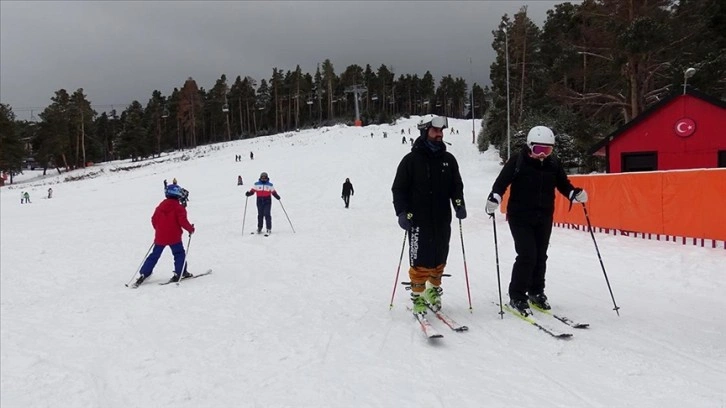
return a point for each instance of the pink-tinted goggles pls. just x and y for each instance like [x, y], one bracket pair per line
[542, 149]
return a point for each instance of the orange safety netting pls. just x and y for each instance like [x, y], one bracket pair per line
[684, 203]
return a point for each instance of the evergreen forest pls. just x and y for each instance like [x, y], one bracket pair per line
[590, 68]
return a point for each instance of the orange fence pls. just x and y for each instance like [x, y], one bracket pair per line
[683, 203]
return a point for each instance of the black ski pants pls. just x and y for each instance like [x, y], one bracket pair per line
[531, 237]
[346, 200]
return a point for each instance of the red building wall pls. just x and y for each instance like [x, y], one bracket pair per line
[658, 133]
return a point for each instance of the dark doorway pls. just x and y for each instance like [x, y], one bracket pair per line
[641, 161]
[722, 158]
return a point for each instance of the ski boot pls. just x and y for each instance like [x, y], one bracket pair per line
[520, 306]
[539, 301]
[432, 296]
[139, 281]
[185, 275]
[419, 304]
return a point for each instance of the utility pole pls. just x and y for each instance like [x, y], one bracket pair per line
[356, 90]
[471, 74]
[506, 57]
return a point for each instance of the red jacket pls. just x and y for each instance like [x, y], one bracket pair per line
[168, 220]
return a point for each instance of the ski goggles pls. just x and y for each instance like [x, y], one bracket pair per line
[540, 149]
[440, 122]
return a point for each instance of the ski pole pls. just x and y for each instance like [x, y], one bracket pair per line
[186, 258]
[589, 227]
[244, 216]
[466, 271]
[496, 256]
[288, 218]
[142, 263]
[395, 282]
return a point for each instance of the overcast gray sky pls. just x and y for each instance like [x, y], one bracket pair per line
[121, 51]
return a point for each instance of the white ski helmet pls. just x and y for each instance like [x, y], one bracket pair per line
[433, 121]
[540, 135]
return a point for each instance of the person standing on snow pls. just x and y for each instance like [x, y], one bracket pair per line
[239, 181]
[347, 192]
[533, 175]
[264, 189]
[50, 192]
[427, 183]
[27, 197]
[168, 220]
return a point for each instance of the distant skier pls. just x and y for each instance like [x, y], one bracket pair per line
[50, 193]
[252, 156]
[264, 189]
[239, 181]
[168, 220]
[403, 139]
[22, 197]
[347, 192]
[27, 197]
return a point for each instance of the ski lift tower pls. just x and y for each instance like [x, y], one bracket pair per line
[357, 90]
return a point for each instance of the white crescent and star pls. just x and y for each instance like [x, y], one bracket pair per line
[685, 127]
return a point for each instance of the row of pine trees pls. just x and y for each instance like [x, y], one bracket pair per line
[592, 67]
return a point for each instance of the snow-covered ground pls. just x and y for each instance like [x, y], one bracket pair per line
[302, 319]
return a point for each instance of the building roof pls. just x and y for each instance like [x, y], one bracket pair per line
[650, 111]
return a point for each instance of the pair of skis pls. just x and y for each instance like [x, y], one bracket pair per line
[207, 272]
[549, 314]
[430, 331]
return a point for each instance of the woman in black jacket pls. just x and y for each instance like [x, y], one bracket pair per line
[533, 175]
[427, 183]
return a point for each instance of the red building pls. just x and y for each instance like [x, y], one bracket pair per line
[683, 131]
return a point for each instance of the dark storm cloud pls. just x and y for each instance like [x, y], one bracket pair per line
[121, 51]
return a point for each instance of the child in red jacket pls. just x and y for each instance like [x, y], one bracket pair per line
[168, 220]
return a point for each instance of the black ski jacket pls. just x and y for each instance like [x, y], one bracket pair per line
[427, 183]
[347, 188]
[533, 183]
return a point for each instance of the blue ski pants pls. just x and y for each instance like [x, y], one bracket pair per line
[179, 256]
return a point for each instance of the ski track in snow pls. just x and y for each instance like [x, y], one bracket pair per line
[302, 319]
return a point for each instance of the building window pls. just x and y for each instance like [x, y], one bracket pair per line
[722, 158]
[641, 161]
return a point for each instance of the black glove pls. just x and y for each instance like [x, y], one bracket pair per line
[460, 208]
[276, 196]
[249, 193]
[404, 220]
[461, 212]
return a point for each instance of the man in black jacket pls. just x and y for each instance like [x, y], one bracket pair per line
[347, 192]
[533, 175]
[426, 182]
